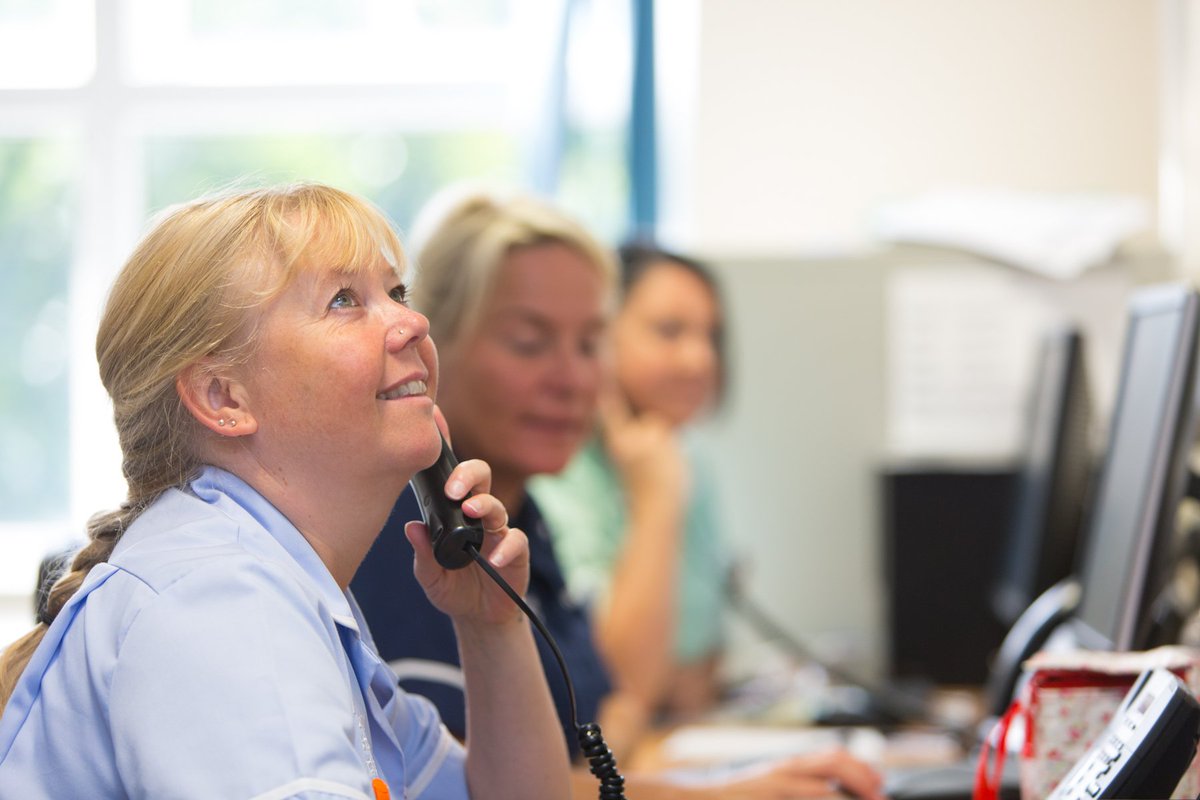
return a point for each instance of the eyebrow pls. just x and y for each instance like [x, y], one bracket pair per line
[522, 314]
[342, 274]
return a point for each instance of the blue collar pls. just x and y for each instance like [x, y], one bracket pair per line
[239, 501]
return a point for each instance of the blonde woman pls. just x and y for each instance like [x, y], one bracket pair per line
[518, 295]
[273, 394]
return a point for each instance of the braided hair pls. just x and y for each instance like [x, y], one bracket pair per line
[185, 297]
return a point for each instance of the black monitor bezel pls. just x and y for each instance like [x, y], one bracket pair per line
[1166, 484]
[1053, 483]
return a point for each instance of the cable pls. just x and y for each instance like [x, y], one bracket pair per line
[898, 704]
[591, 742]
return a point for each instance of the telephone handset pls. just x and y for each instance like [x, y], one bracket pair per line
[456, 540]
[1146, 748]
[450, 531]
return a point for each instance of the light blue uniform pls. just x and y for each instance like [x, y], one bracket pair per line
[214, 656]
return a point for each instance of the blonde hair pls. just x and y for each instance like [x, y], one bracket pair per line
[462, 241]
[187, 295]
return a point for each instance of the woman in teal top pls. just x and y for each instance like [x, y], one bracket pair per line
[634, 515]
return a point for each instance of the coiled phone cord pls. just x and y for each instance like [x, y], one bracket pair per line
[591, 742]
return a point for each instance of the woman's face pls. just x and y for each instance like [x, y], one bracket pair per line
[664, 343]
[344, 376]
[519, 391]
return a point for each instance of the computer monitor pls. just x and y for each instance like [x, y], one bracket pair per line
[1051, 488]
[1131, 526]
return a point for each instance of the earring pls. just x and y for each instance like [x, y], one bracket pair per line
[221, 422]
[233, 423]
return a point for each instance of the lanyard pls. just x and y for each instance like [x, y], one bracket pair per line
[364, 742]
[379, 786]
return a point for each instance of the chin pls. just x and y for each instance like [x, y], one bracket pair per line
[430, 451]
[549, 465]
[540, 460]
[548, 452]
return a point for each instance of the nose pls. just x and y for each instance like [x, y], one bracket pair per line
[405, 327]
[572, 372]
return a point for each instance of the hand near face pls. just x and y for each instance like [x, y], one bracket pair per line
[646, 451]
[469, 594]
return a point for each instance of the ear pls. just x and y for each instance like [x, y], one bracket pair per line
[217, 402]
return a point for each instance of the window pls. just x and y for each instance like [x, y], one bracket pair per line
[36, 207]
[112, 109]
[46, 43]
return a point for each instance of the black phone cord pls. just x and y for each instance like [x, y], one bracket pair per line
[900, 705]
[591, 742]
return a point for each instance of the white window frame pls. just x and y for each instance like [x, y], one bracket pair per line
[111, 119]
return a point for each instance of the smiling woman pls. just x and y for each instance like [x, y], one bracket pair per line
[273, 393]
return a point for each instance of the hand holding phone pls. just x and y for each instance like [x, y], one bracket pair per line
[453, 535]
[450, 531]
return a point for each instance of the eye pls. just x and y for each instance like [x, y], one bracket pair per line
[668, 328]
[343, 299]
[526, 346]
[399, 293]
[589, 346]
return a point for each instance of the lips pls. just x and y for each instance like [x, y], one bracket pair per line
[406, 389]
[555, 426]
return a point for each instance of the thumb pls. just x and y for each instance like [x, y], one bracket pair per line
[417, 534]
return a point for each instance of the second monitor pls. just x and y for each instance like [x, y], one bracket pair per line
[1131, 530]
[1129, 523]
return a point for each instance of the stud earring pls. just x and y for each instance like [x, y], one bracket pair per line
[233, 423]
[221, 422]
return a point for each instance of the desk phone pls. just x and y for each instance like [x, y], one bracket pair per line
[1146, 748]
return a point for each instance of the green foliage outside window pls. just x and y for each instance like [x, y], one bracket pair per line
[399, 172]
[36, 227]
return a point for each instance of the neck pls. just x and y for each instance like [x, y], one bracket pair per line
[340, 519]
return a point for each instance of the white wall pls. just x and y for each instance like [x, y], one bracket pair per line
[1179, 172]
[798, 441]
[801, 445]
[807, 115]
[810, 112]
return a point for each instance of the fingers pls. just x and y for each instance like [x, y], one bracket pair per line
[511, 548]
[849, 773]
[613, 407]
[638, 429]
[500, 545]
[469, 477]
